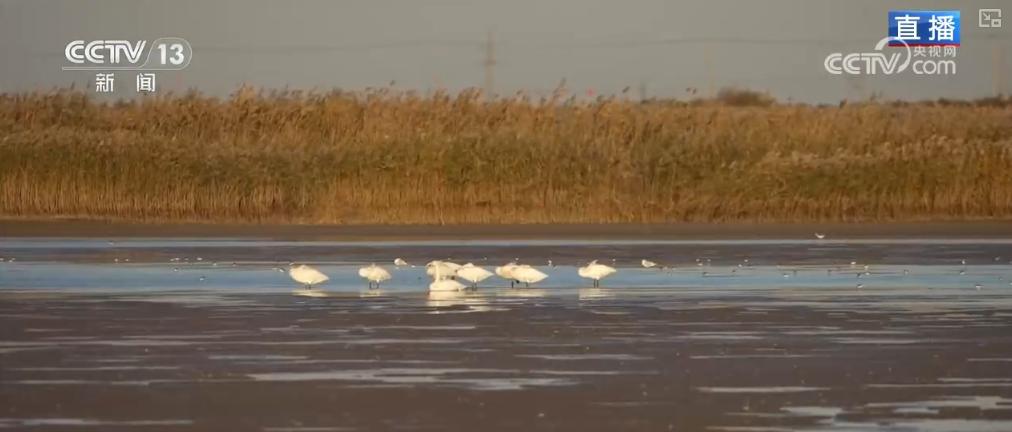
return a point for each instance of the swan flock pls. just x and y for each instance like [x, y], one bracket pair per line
[446, 275]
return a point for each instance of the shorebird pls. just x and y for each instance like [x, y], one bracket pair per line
[374, 274]
[307, 275]
[473, 274]
[528, 275]
[595, 271]
[400, 262]
[647, 263]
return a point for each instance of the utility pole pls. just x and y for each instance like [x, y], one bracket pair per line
[489, 66]
[997, 68]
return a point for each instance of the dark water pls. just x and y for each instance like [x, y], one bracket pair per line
[786, 341]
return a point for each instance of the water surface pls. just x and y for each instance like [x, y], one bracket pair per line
[205, 334]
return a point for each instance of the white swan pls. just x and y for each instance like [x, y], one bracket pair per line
[647, 263]
[374, 274]
[528, 275]
[595, 271]
[441, 284]
[506, 272]
[307, 275]
[444, 269]
[473, 273]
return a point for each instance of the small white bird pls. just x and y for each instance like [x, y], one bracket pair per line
[473, 273]
[595, 271]
[528, 275]
[307, 275]
[374, 274]
[444, 269]
[441, 282]
[820, 236]
[647, 263]
[400, 262]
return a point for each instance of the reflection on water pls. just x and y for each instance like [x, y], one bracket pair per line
[458, 301]
[594, 293]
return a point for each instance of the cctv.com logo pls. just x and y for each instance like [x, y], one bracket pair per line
[878, 62]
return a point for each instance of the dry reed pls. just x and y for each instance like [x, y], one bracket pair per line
[391, 157]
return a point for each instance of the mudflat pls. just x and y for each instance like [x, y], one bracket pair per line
[574, 360]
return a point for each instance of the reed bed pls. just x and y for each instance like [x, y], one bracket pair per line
[390, 157]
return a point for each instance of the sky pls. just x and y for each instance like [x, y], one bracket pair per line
[655, 48]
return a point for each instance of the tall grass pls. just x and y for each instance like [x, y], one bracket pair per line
[388, 157]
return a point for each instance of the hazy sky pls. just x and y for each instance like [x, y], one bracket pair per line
[661, 46]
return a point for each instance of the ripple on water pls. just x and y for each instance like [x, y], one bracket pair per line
[576, 357]
[457, 377]
[761, 390]
[983, 403]
[307, 429]
[255, 357]
[68, 421]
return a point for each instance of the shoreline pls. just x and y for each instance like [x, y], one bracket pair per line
[90, 228]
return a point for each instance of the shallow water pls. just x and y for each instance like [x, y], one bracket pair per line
[196, 334]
